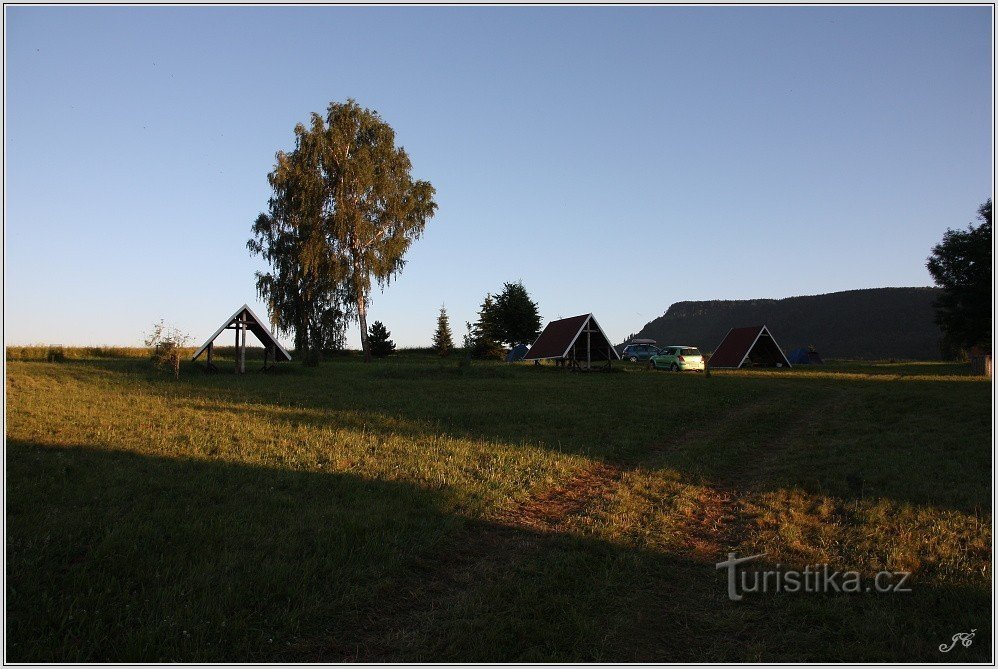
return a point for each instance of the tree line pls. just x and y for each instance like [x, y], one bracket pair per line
[345, 209]
[505, 319]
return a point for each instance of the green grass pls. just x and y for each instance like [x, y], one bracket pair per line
[389, 511]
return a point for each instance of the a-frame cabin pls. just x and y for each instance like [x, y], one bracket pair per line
[577, 342]
[747, 347]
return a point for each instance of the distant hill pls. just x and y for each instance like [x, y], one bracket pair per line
[877, 323]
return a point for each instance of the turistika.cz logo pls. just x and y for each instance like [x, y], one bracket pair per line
[812, 579]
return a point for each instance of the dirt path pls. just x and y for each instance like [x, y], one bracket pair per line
[713, 525]
[719, 520]
[548, 510]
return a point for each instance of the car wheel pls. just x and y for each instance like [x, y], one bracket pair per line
[674, 368]
[633, 358]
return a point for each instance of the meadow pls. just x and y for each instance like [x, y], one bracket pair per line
[418, 509]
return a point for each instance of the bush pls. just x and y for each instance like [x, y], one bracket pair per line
[379, 340]
[479, 345]
[167, 345]
[55, 354]
[486, 349]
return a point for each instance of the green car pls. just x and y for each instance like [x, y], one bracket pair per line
[678, 359]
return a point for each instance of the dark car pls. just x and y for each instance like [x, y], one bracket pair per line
[638, 352]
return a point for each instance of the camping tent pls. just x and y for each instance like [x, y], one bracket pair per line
[803, 356]
[748, 346]
[578, 341]
[517, 353]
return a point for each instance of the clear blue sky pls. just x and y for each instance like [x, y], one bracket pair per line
[614, 159]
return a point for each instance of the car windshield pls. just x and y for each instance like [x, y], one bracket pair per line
[690, 351]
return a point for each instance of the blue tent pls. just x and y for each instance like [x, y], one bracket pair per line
[802, 356]
[517, 353]
[798, 356]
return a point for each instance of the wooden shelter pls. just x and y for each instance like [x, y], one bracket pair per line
[753, 345]
[578, 342]
[242, 321]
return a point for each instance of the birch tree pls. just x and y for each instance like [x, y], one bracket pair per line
[350, 188]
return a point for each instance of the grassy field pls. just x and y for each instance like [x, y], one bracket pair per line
[413, 509]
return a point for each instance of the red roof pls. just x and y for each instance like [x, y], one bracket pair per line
[556, 338]
[559, 336]
[739, 342]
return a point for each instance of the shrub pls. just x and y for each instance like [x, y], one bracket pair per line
[167, 345]
[486, 349]
[479, 345]
[379, 340]
[56, 354]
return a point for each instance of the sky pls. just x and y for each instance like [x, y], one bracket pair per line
[613, 159]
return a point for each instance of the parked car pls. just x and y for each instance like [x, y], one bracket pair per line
[636, 352]
[678, 359]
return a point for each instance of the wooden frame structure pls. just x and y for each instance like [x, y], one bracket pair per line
[242, 321]
[563, 341]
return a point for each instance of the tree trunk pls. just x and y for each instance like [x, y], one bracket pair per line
[362, 315]
[314, 344]
[316, 352]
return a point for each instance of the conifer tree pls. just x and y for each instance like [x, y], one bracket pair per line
[379, 340]
[443, 341]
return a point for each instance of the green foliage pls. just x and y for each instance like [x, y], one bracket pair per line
[510, 318]
[380, 341]
[961, 265]
[514, 317]
[55, 354]
[345, 210]
[486, 349]
[480, 340]
[305, 289]
[166, 344]
[334, 328]
[443, 342]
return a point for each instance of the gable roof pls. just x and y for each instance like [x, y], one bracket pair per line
[559, 336]
[254, 325]
[740, 342]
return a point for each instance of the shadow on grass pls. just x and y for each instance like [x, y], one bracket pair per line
[118, 557]
[763, 445]
[923, 443]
